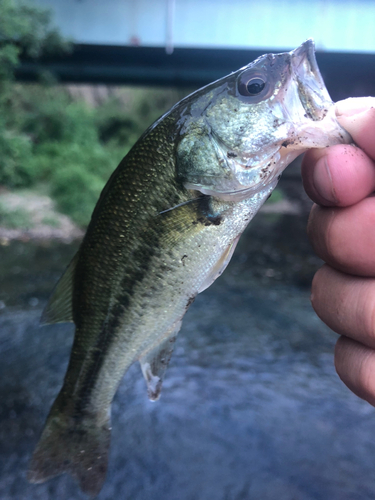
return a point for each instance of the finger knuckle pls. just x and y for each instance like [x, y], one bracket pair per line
[369, 314]
[366, 376]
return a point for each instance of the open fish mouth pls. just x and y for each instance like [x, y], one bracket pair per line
[312, 91]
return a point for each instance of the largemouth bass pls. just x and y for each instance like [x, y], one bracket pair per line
[164, 228]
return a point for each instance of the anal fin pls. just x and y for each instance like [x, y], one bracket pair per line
[154, 362]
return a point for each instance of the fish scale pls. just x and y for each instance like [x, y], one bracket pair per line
[164, 228]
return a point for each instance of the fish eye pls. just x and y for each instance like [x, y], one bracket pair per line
[250, 86]
[255, 86]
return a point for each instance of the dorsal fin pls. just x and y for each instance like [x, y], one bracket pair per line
[155, 362]
[59, 308]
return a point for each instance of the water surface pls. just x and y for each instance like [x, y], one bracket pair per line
[251, 406]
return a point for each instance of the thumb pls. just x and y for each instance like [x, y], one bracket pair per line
[357, 116]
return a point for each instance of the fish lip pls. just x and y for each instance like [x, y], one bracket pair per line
[307, 51]
[312, 91]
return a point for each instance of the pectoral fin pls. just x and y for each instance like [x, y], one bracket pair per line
[59, 308]
[220, 265]
[155, 362]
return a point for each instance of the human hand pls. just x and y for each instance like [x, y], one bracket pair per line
[341, 181]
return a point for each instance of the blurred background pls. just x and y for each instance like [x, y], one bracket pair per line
[251, 405]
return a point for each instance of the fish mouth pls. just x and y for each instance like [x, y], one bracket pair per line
[312, 91]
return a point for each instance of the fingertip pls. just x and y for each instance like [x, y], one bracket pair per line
[319, 291]
[355, 365]
[357, 116]
[353, 106]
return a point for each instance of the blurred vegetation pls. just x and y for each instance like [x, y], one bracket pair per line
[276, 196]
[50, 139]
[23, 29]
[14, 218]
[68, 149]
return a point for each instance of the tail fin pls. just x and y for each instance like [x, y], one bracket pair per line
[77, 446]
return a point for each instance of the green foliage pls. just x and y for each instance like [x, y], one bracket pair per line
[72, 148]
[15, 150]
[277, 195]
[78, 176]
[84, 161]
[51, 221]
[124, 117]
[64, 144]
[16, 218]
[49, 138]
[23, 28]
[26, 28]
[47, 114]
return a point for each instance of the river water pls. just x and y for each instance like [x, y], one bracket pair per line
[251, 406]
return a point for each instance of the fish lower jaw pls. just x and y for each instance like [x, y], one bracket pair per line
[238, 194]
[248, 182]
[322, 134]
[248, 174]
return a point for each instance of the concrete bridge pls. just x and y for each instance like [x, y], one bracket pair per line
[192, 42]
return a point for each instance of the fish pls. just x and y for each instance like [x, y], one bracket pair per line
[164, 229]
